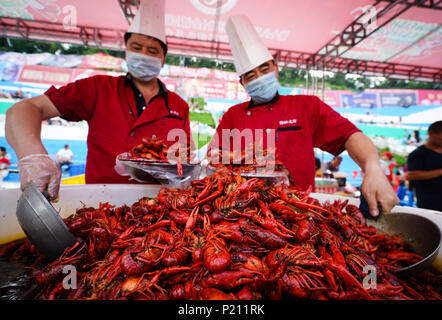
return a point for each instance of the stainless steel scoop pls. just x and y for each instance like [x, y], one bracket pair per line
[42, 224]
[423, 234]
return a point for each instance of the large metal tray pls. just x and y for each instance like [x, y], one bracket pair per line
[422, 233]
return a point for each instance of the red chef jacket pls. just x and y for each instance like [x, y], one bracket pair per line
[301, 123]
[108, 105]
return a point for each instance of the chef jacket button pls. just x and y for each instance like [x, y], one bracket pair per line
[249, 113]
[144, 107]
[154, 136]
[271, 109]
[131, 133]
[130, 111]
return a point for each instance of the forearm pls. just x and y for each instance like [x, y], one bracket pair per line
[424, 175]
[23, 129]
[363, 152]
[375, 186]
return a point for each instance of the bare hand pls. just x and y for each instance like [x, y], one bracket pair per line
[376, 188]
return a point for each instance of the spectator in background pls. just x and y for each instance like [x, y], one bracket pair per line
[334, 164]
[408, 102]
[417, 137]
[318, 166]
[65, 157]
[5, 162]
[18, 94]
[317, 163]
[404, 140]
[399, 176]
[424, 167]
[387, 156]
[5, 95]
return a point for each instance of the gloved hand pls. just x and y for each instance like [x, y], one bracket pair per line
[119, 167]
[43, 171]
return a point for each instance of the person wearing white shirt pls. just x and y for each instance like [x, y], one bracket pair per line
[65, 157]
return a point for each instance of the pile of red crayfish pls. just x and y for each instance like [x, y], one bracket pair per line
[228, 238]
[156, 151]
[253, 158]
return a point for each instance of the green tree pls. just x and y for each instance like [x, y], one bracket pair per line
[30, 46]
[26, 46]
[287, 77]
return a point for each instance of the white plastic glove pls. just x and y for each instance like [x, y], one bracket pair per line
[119, 167]
[43, 171]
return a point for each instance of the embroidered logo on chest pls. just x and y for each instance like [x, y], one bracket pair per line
[285, 122]
[175, 113]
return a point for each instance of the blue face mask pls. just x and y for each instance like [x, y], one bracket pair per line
[264, 88]
[143, 67]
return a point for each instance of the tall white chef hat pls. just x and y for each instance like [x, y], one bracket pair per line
[149, 19]
[248, 50]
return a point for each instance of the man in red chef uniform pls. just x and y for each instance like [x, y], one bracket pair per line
[120, 111]
[298, 123]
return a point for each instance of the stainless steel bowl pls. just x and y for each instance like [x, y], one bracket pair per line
[163, 173]
[423, 234]
[42, 224]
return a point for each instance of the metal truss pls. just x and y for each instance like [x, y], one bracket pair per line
[127, 7]
[55, 32]
[327, 61]
[306, 61]
[331, 56]
[358, 31]
[429, 4]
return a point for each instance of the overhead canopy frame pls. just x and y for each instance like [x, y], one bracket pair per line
[341, 53]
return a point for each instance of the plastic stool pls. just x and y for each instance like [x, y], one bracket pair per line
[401, 191]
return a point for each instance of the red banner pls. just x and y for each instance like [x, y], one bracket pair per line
[202, 73]
[187, 82]
[184, 72]
[78, 74]
[58, 76]
[172, 84]
[208, 89]
[45, 74]
[225, 75]
[101, 61]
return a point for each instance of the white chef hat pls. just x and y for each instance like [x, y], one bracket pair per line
[149, 19]
[248, 50]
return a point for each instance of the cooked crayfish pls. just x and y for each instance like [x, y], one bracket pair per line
[226, 237]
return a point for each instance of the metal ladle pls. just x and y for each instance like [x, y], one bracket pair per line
[42, 224]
